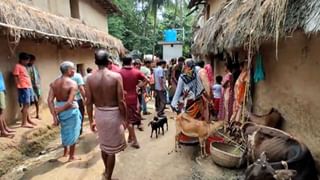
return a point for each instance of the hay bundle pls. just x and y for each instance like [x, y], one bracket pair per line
[250, 22]
[17, 19]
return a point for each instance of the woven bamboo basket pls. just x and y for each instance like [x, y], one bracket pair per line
[225, 155]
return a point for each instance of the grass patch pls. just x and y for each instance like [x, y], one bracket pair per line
[30, 146]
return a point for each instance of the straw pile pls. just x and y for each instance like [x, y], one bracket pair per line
[22, 21]
[250, 22]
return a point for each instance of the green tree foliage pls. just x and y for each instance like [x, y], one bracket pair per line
[140, 29]
[175, 15]
[131, 27]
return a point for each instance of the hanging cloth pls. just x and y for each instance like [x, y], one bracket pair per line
[259, 74]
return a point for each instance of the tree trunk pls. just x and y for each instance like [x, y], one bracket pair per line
[154, 32]
[176, 10]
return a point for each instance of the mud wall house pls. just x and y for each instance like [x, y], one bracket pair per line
[285, 33]
[52, 30]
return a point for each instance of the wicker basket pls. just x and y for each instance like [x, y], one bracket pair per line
[222, 155]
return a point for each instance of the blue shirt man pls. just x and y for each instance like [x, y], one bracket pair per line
[80, 82]
[159, 79]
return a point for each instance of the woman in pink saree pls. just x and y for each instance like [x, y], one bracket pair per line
[226, 107]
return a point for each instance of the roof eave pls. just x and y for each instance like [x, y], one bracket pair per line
[194, 3]
[109, 6]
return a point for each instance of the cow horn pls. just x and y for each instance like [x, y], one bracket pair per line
[285, 164]
[263, 156]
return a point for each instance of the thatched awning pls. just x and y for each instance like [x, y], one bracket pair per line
[20, 20]
[248, 23]
[193, 3]
[109, 6]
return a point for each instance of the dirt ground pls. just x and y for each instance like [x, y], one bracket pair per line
[151, 162]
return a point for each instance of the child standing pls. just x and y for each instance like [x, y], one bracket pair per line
[217, 94]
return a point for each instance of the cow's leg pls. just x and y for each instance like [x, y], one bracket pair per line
[151, 133]
[167, 126]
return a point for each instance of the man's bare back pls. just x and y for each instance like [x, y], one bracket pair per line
[62, 88]
[103, 86]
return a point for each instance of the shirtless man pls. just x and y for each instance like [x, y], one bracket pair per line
[104, 89]
[65, 110]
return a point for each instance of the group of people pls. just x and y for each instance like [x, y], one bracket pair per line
[121, 107]
[27, 80]
[231, 91]
[196, 93]
[28, 84]
[114, 99]
[193, 92]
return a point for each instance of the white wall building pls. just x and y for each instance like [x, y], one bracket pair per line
[171, 50]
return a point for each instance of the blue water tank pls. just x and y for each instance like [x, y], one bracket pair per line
[170, 35]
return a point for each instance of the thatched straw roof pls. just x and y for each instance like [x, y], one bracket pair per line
[193, 3]
[22, 21]
[248, 23]
[109, 6]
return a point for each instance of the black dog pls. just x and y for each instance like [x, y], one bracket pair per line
[155, 126]
[162, 121]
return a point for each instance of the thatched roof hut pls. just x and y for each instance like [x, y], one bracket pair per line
[109, 6]
[22, 21]
[248, 23]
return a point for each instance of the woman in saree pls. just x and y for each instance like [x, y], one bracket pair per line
[226, 107]
[239, 92]
[193, 89]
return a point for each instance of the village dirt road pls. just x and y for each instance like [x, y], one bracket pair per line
[151, 162]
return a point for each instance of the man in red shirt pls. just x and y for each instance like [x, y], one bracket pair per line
[24, 86]
[131, 78]
[112, 67]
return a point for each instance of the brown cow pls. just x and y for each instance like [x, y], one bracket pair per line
[279, 146]
[272, 119]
